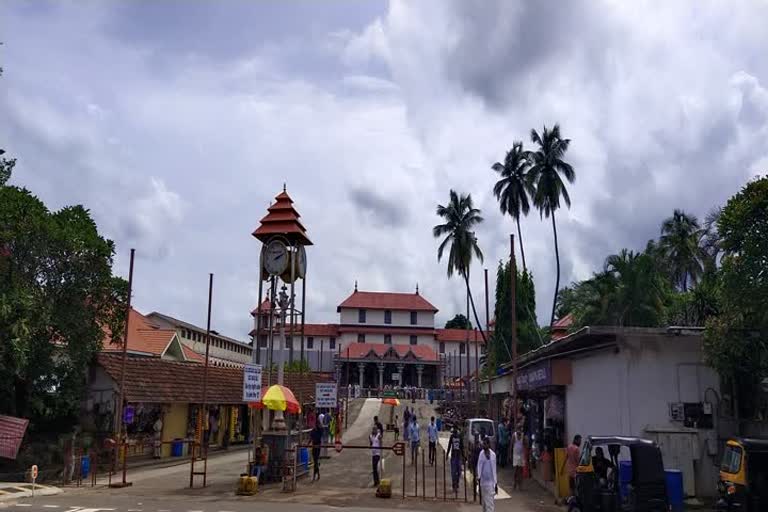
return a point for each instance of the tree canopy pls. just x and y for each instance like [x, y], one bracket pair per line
[458, 322]
[58, 295]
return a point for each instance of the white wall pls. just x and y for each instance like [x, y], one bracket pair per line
[350, 316]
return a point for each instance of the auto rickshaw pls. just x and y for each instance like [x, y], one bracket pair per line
[743, 481]
[645, 492]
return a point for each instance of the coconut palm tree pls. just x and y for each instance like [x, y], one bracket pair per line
[460, 218]
[514, 188]
[638, 299]
[680, 236]
[547, 170]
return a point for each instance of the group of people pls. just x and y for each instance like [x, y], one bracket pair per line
[324, 425]
[511, 440]
[483, 461]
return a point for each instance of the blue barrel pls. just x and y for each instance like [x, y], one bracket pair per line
[674, 479]
[304, 458]
[439, 424]
[177, 448]
[85, 466]
[625, 477]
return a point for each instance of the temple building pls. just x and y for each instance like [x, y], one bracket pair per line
[381, 339]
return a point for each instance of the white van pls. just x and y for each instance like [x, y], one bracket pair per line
[478, 427]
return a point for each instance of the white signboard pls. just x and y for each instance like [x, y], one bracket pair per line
[325, 395]
[396, 376]
[252, 383]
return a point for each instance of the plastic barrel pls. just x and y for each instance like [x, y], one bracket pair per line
[625, 477]
[304, 458]
[177, 448]
[85, 466]
[674, 479]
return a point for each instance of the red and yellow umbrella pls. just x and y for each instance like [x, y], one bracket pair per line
[278, 398]
[391, 401]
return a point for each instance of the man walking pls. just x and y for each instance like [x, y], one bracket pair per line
[486, 474]
[316, 436]
[517, 460]
[378, 425]
[414, 436]
[571, 462]
[503, 442]
[455, 452]
[375, 442]
[432, 438]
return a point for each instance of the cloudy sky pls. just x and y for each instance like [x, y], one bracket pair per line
[176, 123]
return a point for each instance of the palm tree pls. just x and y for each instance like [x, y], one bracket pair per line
[680, 235]
[638, 298]
[514, 188]
[460, 218]
[547, 171]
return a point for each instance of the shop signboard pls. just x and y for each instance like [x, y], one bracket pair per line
[536, 376]
[252, 383]
[325, 395]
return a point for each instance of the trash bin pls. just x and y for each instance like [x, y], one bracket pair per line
[674, 479]
[304, 458]
[177, 448]
[625, 477]
[85, 466]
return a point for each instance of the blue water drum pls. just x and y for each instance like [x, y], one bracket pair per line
[177, 448]
[304, 458]
[625, 477]
[85, 466]
[674, 479]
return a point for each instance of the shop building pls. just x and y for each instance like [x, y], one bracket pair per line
[650, 383]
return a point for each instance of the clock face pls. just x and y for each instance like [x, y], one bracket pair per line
[302, 261]
[275, 257]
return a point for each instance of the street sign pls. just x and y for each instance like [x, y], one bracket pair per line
[128, 414]
[396, 376]
[252, 383]
[34, 472]
[398, 449]
[325, 395]
[338, 446]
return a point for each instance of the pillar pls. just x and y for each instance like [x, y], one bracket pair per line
[419, 373]
[380, 367]
[400, 369]
[361, 372]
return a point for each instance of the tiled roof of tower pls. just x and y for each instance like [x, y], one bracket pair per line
[459, 335]
[387, 300]
[265, 307]
[282, 219]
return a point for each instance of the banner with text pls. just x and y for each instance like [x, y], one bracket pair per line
[252, 383]
[325, 395]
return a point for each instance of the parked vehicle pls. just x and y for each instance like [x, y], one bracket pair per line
[478, 427]
[743, 481]
[645, 492]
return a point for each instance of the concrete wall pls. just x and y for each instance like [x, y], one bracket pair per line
[629, 393]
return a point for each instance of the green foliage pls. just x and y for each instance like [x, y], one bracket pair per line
[57, 296]
[6, 168]
[458, 322]
[525, 307]
[679, 246]
[297, 366]
[737, 340]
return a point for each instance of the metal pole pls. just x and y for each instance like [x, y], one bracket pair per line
[304, 305]
[271, 349]
[466, 345]
[513, 313]
[405, 449]
[321, 357]
[445, 460]
[434, 461]
[205, 375]
[292, 305]
[477, 377]
[423, 478]
[488, 347]
[119, 409]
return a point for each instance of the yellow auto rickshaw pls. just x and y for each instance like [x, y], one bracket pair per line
[743, 481]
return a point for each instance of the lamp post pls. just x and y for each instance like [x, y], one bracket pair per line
[284, 303]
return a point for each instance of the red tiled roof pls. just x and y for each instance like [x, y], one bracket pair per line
[143, 336]
[282, 219]
[363, 350]
[191, 355]
[561, 327]
[265, 307]
[387, 300]
[371, 329]
[458, 335]
[153, 380]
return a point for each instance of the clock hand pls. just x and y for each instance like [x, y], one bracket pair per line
[278, 257]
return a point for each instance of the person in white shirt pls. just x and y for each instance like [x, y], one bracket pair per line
[486, 474]
[375, 442]
[432, 435]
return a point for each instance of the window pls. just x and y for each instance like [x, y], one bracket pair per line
[332, 344]
[442, 347]
[361, 316]
[388, 339]
[263, 341]
[731, 459]
[310, 343]
[462, 348]
[414, 340]
[387, 317]
[361, 338]
[414, 318]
